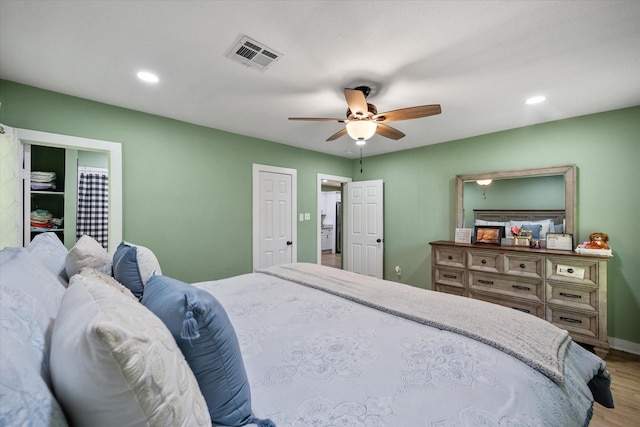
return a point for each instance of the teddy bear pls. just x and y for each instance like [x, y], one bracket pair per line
[598, 241]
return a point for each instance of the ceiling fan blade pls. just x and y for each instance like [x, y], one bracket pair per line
[388, 131]
[319, 119]
[338, 134]
[356, 101]
[408, 113]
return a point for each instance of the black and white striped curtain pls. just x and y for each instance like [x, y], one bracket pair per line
[93, 207]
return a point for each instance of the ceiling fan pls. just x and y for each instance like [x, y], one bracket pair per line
[363, 120]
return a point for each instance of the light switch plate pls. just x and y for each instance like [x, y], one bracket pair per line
[307, 216]
[301, 217]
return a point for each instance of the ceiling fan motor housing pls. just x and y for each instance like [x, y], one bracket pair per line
[372, 109]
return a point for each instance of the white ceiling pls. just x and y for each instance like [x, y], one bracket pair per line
[478, 59]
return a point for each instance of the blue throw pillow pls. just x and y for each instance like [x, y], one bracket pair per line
[534, 228]
[125, 269]
[200, 326]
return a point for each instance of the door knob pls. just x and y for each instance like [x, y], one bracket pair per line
[379, 240]
[289, 243]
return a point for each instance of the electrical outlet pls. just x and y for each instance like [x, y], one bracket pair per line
[398, 270]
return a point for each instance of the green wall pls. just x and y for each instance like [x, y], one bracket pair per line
[187, 189]
[420, 195]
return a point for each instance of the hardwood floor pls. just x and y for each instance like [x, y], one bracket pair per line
[332, 260]
[625, 385]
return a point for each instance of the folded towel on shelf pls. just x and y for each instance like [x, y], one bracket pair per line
[39, 186]
[39, 176]
[41, 216]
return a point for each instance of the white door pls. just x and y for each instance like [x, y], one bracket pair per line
[364, 237]
[274, 226]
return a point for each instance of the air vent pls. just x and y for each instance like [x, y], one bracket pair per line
[253, 54]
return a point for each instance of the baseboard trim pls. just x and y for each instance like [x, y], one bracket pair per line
[623, 345]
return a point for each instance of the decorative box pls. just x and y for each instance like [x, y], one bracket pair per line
[523, 238]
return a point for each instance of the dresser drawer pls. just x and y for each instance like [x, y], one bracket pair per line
[572, 296]
[450, 277]
[532, 289]
[572, 270]
[573, 321]
[485, 261]
[524, 306]
[454, 290]
[450, 257]
[529, 266]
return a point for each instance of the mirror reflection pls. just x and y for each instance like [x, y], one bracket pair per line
[543, 192]
[549, 188]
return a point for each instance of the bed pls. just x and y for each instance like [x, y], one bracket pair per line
[317, 346]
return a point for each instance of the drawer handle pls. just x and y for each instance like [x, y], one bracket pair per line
[524, 310]
[484, 261]
[570, 320]
[486, 282]
[522, 288]
[449, 257]
[569, 270]
[523, 266]
[564, 294]
[450, 276]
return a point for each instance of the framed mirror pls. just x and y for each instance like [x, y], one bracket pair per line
[568, 174]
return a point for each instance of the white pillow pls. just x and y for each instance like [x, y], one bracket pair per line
[115, 363]
[50, 251]
[87, 252]
[22, 272]
[92, 273]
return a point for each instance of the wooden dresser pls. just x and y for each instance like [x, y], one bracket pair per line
[562, 287]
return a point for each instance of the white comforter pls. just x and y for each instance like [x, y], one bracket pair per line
[315, 359]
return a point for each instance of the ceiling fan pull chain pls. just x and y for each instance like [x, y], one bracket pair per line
[360, 159]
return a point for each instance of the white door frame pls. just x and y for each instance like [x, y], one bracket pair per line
[321, 176]
[257, 168]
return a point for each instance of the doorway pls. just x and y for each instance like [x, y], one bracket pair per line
[330, 220]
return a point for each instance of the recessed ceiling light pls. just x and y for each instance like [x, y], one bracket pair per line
[535, 99]
[148, 77]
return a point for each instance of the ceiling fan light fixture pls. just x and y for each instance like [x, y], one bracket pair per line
[361, 130]
[484, 182]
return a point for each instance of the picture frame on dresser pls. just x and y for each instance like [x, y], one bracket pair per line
[488, 234]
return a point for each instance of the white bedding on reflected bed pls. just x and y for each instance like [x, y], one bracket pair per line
[316, 359]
